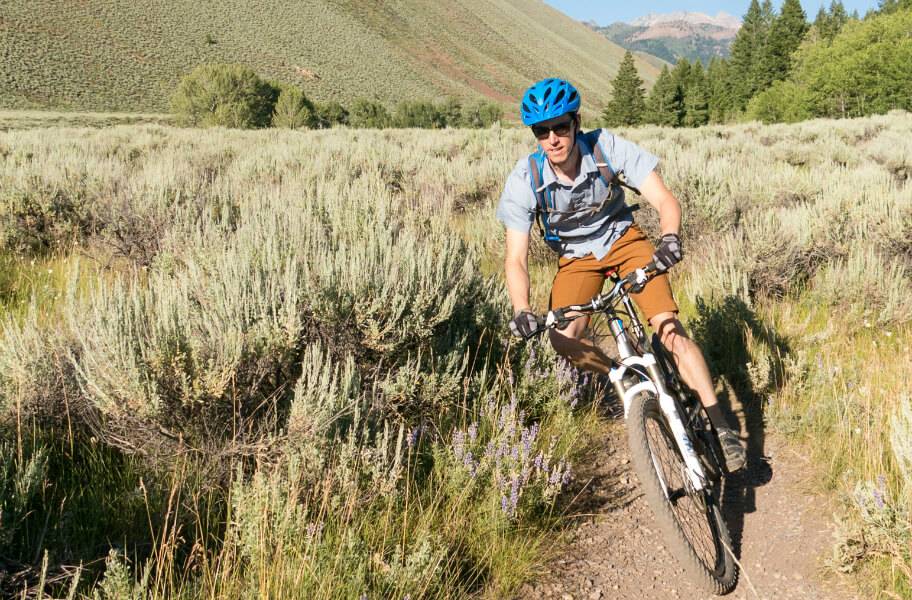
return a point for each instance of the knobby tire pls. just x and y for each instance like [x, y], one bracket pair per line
[691, 521]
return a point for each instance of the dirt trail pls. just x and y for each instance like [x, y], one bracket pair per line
[780, 534]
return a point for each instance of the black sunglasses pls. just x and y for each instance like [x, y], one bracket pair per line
[561, 129]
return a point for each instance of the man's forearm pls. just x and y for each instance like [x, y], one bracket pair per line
[518, 285]
[670, 216]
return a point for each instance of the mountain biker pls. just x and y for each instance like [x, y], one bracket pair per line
[593, 231]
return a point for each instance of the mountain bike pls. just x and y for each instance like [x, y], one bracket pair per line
[674, 449]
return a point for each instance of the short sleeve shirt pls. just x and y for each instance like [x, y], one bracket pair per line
[582, 231]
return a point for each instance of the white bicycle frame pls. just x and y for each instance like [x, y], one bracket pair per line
[647, 370]
[645, 364]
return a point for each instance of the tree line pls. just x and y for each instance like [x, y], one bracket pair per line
[235, 96]
[782, 68]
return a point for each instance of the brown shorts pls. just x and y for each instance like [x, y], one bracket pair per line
[579, 279]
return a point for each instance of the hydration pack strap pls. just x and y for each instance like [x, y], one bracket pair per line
[542, 194]
[608, 175]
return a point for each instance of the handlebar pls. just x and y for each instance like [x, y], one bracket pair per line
[634, 281]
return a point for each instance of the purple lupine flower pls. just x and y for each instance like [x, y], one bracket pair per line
[879, 499]
[468, 460]
[504, 505]
[473, 432]
[412, 437]
[514, 494]
[490, 448]
[538, 461]
[574, 396]
[555, 477]
[566, 478]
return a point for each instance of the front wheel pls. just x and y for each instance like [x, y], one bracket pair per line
[691, 520]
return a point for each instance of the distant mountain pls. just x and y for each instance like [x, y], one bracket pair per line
[129, 56]
[670, 36]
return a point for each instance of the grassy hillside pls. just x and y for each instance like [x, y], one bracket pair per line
[119, 55]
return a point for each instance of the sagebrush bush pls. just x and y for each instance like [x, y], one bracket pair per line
[217, 95]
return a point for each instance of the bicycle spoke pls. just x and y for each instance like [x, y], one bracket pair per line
[689, 506]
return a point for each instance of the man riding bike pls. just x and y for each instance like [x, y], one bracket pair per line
[584, 218]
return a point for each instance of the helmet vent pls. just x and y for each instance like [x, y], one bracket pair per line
[547, 99]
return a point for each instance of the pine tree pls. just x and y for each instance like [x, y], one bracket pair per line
[763, 68]
[627, 103]
[785, 36]
[719, 90]
[744, 54]
[696, 98]
[664, 105]
[681, 76]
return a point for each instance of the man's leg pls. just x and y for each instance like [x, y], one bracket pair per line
[695, 373]
[657, 303]
[690, 361]
[577, 281]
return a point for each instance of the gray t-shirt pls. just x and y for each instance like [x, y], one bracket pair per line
[581, 233]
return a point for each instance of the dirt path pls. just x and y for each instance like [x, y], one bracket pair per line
[780, 533]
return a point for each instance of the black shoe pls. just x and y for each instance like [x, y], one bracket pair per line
[732, 449]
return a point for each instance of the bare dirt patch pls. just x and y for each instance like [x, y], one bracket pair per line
[780, 532]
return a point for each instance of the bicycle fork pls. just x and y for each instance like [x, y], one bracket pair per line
[654, 384]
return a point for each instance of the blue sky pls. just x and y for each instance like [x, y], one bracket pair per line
[604, 12]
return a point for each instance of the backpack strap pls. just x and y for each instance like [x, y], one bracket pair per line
[608, 175]
[542, 195]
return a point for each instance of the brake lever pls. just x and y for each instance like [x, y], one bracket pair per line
[638, 278]
[557, 319]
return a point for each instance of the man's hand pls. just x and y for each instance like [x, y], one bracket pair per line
[524, 324]
[668, 253]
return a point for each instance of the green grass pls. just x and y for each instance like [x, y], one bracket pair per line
[107, 55]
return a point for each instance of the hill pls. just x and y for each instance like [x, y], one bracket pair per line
[118, 55]
[671, 36]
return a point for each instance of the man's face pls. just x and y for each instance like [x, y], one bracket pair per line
[556, 137]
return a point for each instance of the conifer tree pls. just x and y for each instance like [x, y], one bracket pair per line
[696, 97]
[763, 69]
[664, 105]
[744, 53]
[627, 103]
[719, 90]
[785, 36]
[681, 75]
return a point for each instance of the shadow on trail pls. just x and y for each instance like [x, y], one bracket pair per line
[744, 356]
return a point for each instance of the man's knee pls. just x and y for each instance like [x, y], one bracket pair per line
[567, 341]
[670, 330]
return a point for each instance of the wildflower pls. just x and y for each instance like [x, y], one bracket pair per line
[412, 437]
[473, 432]
[514, 494]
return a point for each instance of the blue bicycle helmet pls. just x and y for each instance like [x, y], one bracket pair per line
[547, 99]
